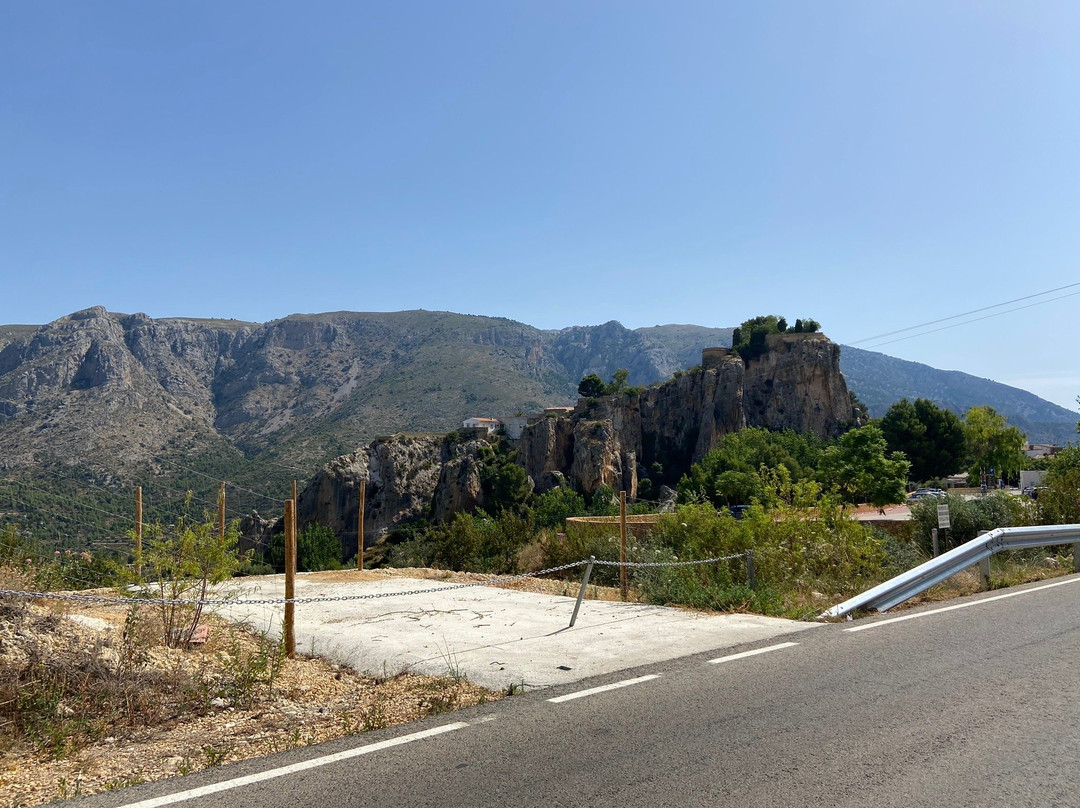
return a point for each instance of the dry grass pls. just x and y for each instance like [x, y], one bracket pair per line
[90, 702]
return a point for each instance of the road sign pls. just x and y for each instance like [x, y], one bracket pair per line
[943, 517]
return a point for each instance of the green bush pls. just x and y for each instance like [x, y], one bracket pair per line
[554, 506]
[317, 548]
[967, 517]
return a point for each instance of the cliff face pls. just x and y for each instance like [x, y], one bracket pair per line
[611, 440]
[797, 385]
[95, 384]
[401, 474]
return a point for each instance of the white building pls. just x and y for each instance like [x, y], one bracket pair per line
[490, 424]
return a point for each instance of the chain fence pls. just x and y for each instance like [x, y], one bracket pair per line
[497, 581]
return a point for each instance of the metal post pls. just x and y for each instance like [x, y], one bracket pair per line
[1076, 556]
[751, 574]
[933, 538]
[984, 569]
[581, 592]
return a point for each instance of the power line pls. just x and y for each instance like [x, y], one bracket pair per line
[79, 504]
[153, 485]
[218, 479]
[975, 320]
[967, 313]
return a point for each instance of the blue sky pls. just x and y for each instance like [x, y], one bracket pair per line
[874, 165]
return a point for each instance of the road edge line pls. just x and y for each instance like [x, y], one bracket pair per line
[282, 771]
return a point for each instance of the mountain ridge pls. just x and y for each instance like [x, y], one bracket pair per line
[99, 400]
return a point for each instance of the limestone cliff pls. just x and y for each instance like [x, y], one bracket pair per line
[796, 384]
[401, 473]
[607, 441]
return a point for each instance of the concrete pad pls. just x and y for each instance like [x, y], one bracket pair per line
[494, 637]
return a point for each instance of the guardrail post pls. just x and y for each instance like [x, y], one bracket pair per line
[1076, 556]
[984, 569]
[751, 575]
[581, 592]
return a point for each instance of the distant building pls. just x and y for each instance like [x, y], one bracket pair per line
[490, 424]
[557, 411]
[514, 426]
[1042, 449]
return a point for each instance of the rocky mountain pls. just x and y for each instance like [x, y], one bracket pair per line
[97, 402]
[614, 440]
[881, 380]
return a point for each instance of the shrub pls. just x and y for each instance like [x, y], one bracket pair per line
[317, 548]
[968, 517]
[183, 561]
[554, 506]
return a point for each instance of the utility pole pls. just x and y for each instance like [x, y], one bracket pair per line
[138, 532]
[360, 528]
[221, 512]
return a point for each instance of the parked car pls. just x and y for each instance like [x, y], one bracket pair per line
[739, 511]
[924, 493]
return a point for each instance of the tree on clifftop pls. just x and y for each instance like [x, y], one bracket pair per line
[592, 386]
[749, 339]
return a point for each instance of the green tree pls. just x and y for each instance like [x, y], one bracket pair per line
[618, 382]
[932, 438]
[554, 506]
[860, 467]
[730, 474]
[591, 386]
[749, 339]
[1059, 493]
[317, 548]
[992, 443]
[505, 484]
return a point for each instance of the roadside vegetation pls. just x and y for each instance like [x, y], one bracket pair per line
[789, 498]
[95, 696]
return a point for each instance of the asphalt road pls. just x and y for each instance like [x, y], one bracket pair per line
[969, 706]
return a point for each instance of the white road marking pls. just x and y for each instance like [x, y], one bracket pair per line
[592, 690]
[755, 652]
[879, 623]
[325, 760]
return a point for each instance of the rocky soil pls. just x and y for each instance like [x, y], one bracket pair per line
[51, 749]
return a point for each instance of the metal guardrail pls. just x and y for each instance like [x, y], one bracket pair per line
[908, 584]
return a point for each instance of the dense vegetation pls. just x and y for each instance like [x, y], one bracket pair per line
[856, 467]
[749, 340]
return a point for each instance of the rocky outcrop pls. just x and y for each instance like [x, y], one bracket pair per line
[611, 440]
[401, 473]
[460, 487]
[797, 384]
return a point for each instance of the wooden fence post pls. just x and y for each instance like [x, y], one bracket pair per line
[221, 512]
[360, 528]
[622, 543]
[138, 532]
